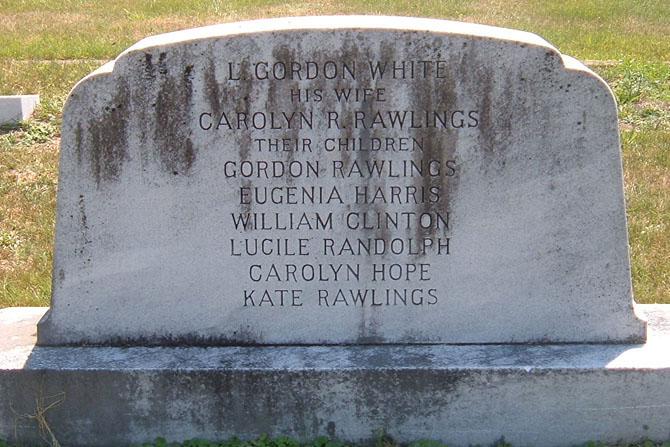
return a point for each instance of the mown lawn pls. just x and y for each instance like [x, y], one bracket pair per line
[47, 45]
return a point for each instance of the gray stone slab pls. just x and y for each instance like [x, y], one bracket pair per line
[479, 200]
[533, 395]
[15, 108]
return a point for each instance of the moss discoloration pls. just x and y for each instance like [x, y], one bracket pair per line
[174, 100]
[104, 143]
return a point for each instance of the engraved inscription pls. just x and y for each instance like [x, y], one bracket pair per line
[342, 189]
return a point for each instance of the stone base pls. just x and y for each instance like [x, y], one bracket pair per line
[17, 108]
[532, 395]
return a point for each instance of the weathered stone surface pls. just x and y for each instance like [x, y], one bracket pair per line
[206, 196]
[539, 395]
[15, 108]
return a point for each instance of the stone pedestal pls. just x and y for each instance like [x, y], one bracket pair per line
[533, 395]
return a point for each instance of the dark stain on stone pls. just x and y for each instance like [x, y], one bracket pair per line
[330, 430]
[287, 53]
[550, 63]
[487, 131]
[233, 96]
[149, 70]
[172, 116]
[106, 146]
[212, 88]
[369, 108]
[496, 122]
[162, 64]
[367, 401]
[83, 220]
[188, 72]
[368, 332]
[440, 144]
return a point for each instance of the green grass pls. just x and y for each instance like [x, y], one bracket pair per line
[643, 93]
[647, 179]
[95, 29]
[28, 167]
[48, 45]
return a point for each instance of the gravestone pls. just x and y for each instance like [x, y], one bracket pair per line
[413, 226]
[384, 181]
[15, 108]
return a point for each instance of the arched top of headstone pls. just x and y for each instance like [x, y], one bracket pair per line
[340, 22]
[343, 22]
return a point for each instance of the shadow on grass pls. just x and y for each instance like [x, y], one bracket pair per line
[13, 126]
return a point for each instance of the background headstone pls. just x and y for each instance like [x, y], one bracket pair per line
[15, 108]
[341, 181]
